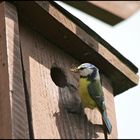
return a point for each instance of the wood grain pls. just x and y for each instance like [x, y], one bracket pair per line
[110, 105]
[123, 9]
[18, 113]
[111, 12]
[5, 108]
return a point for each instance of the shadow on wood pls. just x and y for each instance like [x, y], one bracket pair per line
[76, 126]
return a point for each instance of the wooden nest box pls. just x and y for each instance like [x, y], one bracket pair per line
[39, 43]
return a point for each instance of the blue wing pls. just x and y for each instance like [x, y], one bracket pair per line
[96, 93]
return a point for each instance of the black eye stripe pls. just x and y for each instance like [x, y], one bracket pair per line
[85, 68]
[81, 68]
[94, 68]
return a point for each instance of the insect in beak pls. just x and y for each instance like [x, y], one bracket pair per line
[74, 69]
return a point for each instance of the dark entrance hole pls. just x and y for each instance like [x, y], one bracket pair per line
[58, 77]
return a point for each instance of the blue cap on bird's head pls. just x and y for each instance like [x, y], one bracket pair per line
[86, 65]
[87, 69]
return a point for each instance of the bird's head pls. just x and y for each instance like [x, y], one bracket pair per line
[86, 69]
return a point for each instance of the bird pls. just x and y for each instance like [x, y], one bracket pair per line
[91, 92]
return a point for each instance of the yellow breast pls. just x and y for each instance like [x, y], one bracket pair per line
[84, 95]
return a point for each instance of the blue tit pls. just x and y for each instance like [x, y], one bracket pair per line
[90, 90]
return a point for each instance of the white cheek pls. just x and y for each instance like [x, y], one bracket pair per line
[86, 72]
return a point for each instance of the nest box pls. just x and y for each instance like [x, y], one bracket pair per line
[39, 43]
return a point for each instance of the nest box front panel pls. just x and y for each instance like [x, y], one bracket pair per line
[52, 91]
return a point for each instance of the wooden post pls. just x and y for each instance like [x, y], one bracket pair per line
[5, 110]
[14, 122]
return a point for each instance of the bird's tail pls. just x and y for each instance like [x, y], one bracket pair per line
[107, 122]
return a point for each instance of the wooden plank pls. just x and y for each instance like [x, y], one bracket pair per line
[123, 9]
[111, 12]
[16, 97]
[80, 42]
[5, 110]
[49, 102]
[110, 106]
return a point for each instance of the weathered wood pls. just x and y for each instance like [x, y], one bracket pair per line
[50, 103]
[110, 105]
[5, 108]
[123, 9]
[80, 42]
[17, 121]
[111, 12]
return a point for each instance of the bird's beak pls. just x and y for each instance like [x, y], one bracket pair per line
[76, 69]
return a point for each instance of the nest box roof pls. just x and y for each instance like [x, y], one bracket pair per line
[111, 12]
[78, 40]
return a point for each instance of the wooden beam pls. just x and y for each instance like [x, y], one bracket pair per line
[111, 12]
[5, 110]
[122, 9]
[73, 37]
[15, 123]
